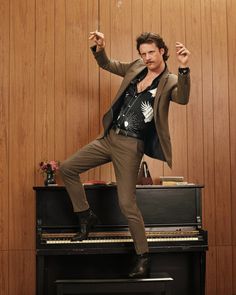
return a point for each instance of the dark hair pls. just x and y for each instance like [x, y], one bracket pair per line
[149, 37]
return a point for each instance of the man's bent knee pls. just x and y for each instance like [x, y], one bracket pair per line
[65, 169]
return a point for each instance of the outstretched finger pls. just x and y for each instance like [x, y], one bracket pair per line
[182, 51]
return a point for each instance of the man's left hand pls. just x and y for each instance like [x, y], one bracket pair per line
[182, 54]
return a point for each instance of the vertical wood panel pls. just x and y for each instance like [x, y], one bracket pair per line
[173, 31]
[231, 9]
[209, 217]
[194, 113]
[60, 81]
[21, 122]
[4, 272]
[234, 270]
[137, 24]
[121, 27]
[4, 108]
[105, 77]
[224, 270]
[22, 272]
[93, 84]
[152, 14]
[221, 123]
[44, 83]
[76, 75]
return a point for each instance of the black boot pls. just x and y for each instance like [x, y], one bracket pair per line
[141, 268]
[87, 220]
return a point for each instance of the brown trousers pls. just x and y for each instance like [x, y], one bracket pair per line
[126, 154]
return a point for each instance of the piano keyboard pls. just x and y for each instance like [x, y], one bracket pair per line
[93, 241]
[122, 237]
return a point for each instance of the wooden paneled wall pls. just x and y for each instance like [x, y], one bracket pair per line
[52, 97]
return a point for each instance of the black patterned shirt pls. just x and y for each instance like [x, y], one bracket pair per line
[136, 113]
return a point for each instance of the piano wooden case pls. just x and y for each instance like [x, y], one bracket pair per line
[173, 221]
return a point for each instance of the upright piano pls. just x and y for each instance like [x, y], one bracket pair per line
[173, 222]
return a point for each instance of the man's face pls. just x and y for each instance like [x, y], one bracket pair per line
[151, 55]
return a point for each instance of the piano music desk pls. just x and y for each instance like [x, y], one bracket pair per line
[161, 283]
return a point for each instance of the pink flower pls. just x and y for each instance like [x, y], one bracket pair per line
[49, 166]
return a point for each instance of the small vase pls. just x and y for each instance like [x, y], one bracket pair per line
[50, 178]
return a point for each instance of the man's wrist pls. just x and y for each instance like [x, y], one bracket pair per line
[99, 48]
[184, 70]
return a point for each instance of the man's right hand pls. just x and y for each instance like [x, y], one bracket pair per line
[98, 39]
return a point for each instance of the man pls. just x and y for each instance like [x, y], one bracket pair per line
[136, 123]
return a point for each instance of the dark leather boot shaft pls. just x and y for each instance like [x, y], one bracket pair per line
[87, 222]
[141, 268]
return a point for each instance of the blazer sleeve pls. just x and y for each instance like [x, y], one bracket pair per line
[113, 66]
[181, 88]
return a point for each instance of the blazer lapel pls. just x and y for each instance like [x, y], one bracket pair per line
[132, 74]
[128, 78]
[160, 87]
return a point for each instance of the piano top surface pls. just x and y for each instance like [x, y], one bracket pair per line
[107, 186]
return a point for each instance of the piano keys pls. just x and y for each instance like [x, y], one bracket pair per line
[173, 221]
[179, 235]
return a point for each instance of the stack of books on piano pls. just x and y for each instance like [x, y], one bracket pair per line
[172, 180]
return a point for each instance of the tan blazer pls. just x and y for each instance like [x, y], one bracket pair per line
[157, 143]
